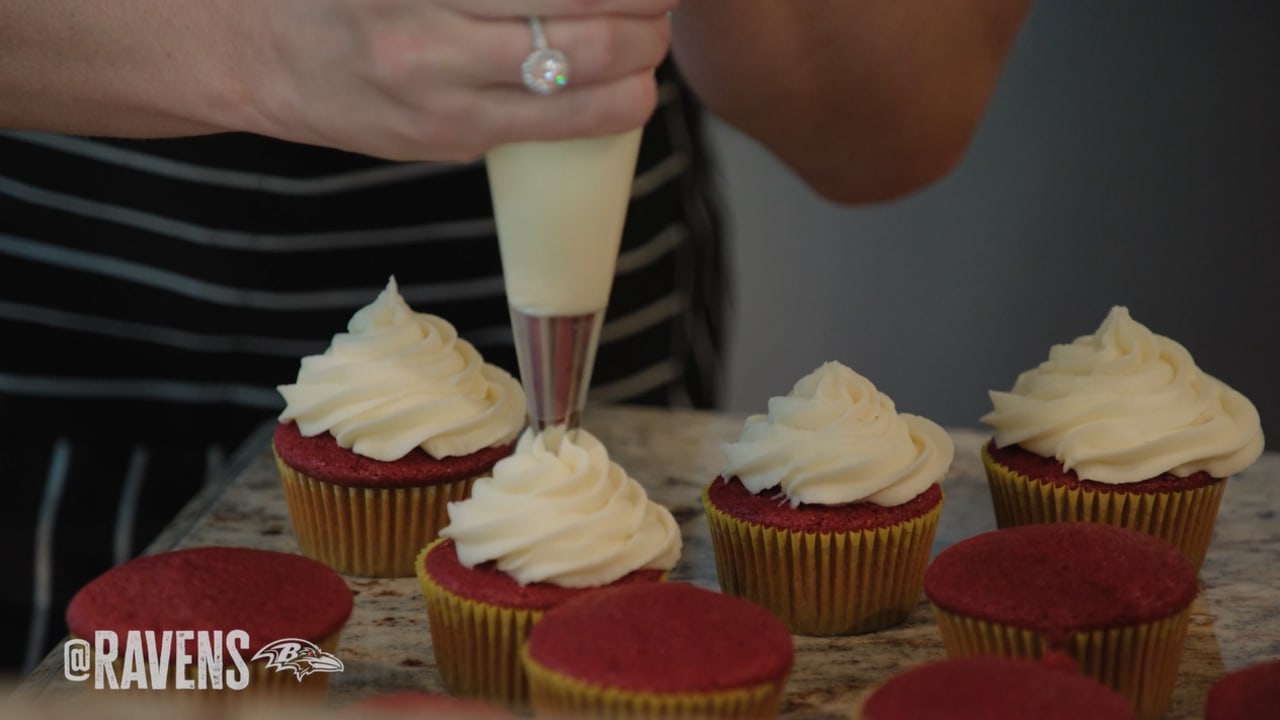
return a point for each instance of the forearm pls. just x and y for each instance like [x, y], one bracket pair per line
[133, 68]
[396, 79]
[864, 99]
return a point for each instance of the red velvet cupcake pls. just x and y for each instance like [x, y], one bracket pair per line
[1116, 600]
[547, 527]
[1249, 693]
[394, 421]
[853, 568]
[1120, 427]
[479, 618]
[1028, 488]
[828, 505]
[658, 650]
[992, 688]
[363, 516]
[236, 601]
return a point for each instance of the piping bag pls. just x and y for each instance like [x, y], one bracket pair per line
[559, 207]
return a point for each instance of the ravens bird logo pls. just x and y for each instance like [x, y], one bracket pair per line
[300, 656]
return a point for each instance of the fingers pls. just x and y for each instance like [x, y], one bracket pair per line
[506, 9]
[417, 80]
[622, 104]
[598, 49]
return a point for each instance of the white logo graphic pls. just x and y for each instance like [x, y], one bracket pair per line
[301, 656]
[191, 659]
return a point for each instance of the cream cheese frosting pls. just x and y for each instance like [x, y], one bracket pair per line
[559, 233]
[398, 380]
[836, 439]
[1124, 405]
[558, 510]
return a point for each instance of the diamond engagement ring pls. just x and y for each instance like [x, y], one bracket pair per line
[546, 70]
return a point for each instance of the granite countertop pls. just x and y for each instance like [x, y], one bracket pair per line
[386, 647]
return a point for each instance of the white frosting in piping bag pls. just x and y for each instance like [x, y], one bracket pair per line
[570, 517]
[559, 207]
[1125, 405]
[836, 439]
[397, 380]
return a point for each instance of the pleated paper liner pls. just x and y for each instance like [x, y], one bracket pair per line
[825, 583]
[1182, 518]
[266, 687]
[370, 532]
[476, 645]
[1140, 661]
[555, 695]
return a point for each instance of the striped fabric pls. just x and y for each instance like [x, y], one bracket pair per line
[154, 293]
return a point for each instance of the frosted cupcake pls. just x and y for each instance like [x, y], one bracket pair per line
[557, 519]
[1119, 427]
[395, 420]
[826, 509]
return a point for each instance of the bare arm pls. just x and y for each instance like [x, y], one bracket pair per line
[398, 79]
[116, 68]
[865, 99]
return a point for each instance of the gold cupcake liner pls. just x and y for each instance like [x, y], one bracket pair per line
[265, 685]
[476, 645]
[556, 695]
[1182, 518]
[371, 532]
[824, 583]
[1139, 661]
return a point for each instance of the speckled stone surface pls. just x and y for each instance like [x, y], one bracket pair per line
[386, 646]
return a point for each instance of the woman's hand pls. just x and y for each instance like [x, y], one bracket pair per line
[398, 79]
[441, 80]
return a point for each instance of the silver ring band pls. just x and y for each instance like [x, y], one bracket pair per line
[545, 70]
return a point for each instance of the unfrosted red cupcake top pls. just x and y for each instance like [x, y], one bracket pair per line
[993, 688]
[663, 637]
[487, 584]
[269, 595]
[1246, 694]
[1061, 577]
[323, 459]
[771, 509]
[422, 705]
[1050, 470]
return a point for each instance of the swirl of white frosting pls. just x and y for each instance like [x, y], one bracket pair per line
[397, 380]
[567, 516]
[835, 439]
[1124, 405]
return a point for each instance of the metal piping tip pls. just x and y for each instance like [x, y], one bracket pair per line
[556, 354]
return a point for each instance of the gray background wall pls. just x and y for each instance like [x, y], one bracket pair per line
[1130, 157]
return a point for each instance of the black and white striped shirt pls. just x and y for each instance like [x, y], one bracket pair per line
[153, 294]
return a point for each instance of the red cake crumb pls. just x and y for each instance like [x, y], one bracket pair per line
[487, 584]
[993, 688]
[1250, 693]
[1050, 470]
[270, 595]
[770, 508]
[1061, 577]
[423, 705]
[663, 637]
[323, 459]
